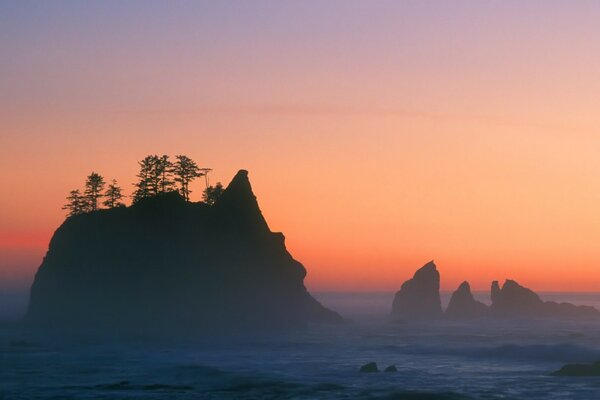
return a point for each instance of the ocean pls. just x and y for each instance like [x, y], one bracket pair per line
[434, 360]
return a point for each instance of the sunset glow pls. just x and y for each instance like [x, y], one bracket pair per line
[403, 132]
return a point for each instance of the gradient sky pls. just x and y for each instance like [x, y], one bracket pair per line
[378, 134]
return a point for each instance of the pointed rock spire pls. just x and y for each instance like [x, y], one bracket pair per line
[463, 304]
[419, 297]
[238, 203]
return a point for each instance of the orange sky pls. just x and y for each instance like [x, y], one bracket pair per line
[377, 137]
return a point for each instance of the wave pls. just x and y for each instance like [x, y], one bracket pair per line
[563, 352]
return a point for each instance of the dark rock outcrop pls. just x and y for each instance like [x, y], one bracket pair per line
[463, 305]
[369, 368]
[391, 368]
[168, 264]
[579, 370]
[419, 297]
[516, 301]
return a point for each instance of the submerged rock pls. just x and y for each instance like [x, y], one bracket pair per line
[579, 370]
[463, 305]
[391, 368]
[167, 264]
[419, 297]
[369, 367]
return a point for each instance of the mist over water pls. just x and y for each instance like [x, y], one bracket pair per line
[493, 359]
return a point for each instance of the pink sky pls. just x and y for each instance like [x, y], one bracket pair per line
[378, 135]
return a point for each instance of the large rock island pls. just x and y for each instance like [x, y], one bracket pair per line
[164, 263]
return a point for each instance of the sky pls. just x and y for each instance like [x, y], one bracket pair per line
[378, 134]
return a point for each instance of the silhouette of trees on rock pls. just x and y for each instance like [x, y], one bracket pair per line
[88, 201]
[113, 195]
[155, 176]
[94, 185]
[185, 170]
[76, 203]
[212, 193]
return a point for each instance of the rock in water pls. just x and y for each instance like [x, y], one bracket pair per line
[419, 297]
[579, 370]
[516, 301]
[391, 368]
[463, 305]
[369, 367]
[168, 264]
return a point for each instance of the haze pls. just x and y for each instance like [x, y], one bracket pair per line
[378, 135]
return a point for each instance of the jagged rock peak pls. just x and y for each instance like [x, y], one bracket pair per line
[463, 305]
[429, 268]
[239, 185]
[495, 292]
[419, 297]
[240, 203]
[464, 288]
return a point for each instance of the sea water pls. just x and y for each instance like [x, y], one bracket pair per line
[435, 360]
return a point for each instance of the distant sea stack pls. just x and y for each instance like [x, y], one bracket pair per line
[164, 263]
[419, 297]
[463, 305]
[516, 301]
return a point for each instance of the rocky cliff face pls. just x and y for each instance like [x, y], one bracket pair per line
[165, 263]
[463, 305]
[419, 297]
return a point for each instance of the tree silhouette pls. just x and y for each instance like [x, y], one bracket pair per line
[155, 177]
[164, 174]
[94, 185]
[76, 203]
[144, 184]
[212, 193]
[185, 171]
[113, 195]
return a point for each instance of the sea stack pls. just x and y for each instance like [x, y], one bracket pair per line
[419, 297]
[463, 305]
[516, 301]
[168, 264]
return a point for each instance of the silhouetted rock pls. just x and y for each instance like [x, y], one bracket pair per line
[391, 368]
[579, 370]
[165, 263]
[463, 305]
[495, 292]
[419, 297]
[516, 301]
[369, 367]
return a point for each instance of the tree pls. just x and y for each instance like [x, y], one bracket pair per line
[185, 171]
[212, 193]
[76, 203]
[94, 185]
[144, 184]
[155, 177]
[113, 195]
[163, 173]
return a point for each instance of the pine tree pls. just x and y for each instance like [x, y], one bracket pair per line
[145, 186]
[113, 195]
[94, 185]
[164, 174]
[185, 171]
[212, 193]
[155, 177]
[76, 203]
